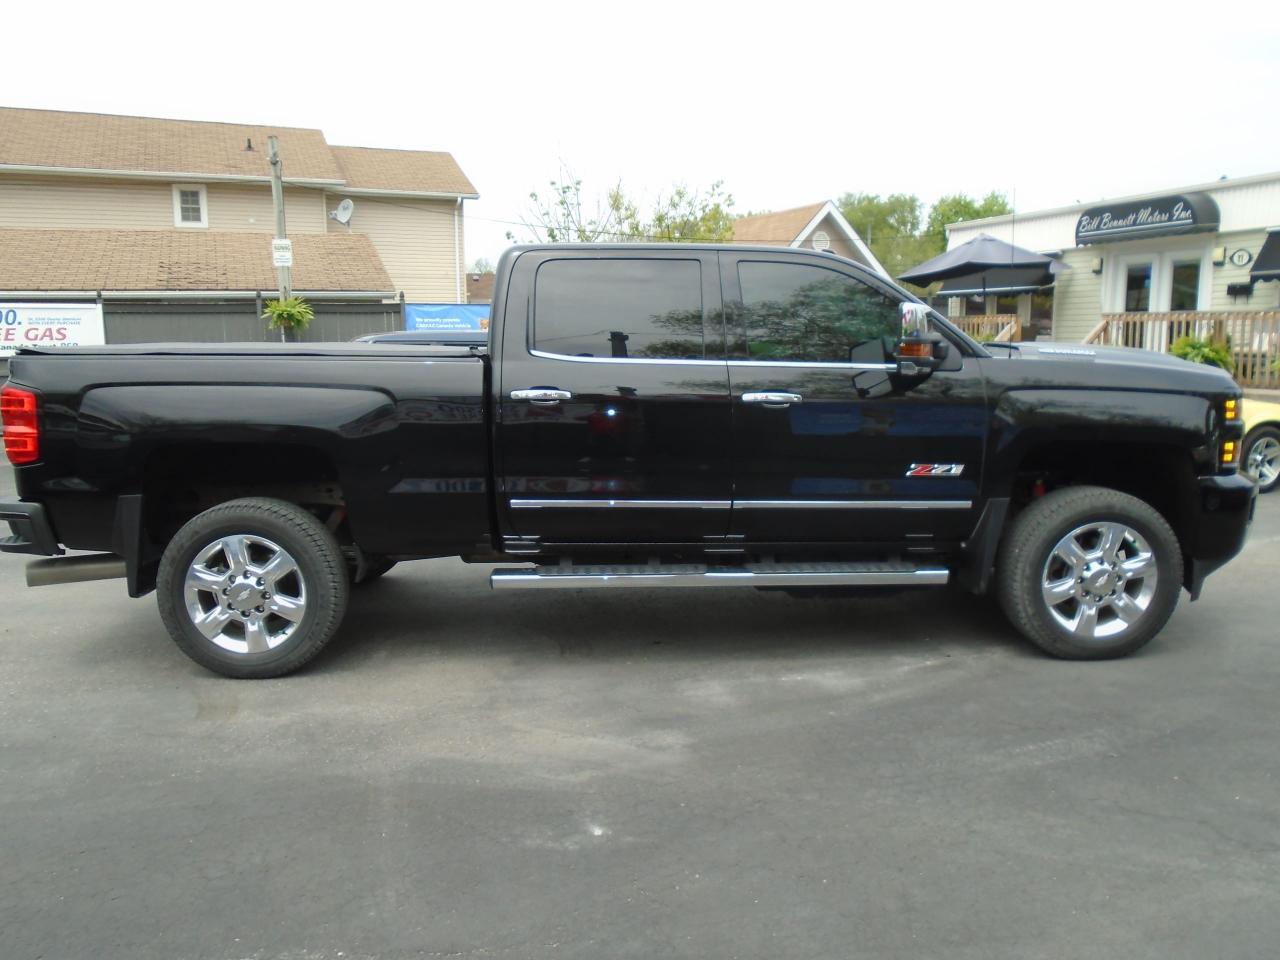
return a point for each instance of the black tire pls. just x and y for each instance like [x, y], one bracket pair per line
[317, 578]
[1257, 435]
[375, 566]
[1029, 567]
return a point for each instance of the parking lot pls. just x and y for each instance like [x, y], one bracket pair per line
[643, 774]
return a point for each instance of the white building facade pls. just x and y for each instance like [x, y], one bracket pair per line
[1206, 247]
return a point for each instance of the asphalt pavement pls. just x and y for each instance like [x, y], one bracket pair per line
[643, 774]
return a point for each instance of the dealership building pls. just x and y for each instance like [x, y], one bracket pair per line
[1204, 248]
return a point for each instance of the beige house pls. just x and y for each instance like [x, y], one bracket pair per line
[818, 226]
[146, 210]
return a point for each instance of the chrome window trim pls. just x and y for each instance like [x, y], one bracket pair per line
[589, 504]
[544, 355]
[570, 503]
[821, 365]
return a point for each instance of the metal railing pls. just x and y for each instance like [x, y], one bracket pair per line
[1000, 327]
[1252, 337]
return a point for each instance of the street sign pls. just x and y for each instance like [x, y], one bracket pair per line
[282, 253]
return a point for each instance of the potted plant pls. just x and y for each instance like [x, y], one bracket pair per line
[290, 316]
[1204, 350]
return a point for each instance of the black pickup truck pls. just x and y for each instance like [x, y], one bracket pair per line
[642, 416]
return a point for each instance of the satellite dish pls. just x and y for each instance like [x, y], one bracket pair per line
[343, 214]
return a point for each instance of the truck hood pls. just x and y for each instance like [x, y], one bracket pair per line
[1130, 357]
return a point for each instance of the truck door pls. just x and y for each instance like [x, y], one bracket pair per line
[613, 399]
[829, 443]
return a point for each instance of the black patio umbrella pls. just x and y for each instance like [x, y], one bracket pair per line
[981, 254]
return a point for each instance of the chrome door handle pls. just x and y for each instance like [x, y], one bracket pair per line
[773, 399]
[543, 396]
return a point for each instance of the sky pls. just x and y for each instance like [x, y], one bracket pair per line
[786, 103]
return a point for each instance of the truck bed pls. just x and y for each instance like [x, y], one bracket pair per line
[398, 432]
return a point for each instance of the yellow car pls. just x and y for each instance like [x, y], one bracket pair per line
[1261, 458]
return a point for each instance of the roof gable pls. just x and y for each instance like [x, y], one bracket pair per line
[780, 228]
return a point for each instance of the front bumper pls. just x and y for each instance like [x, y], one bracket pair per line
[29, 530]
[1224, 510]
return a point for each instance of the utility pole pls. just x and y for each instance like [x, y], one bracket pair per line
[277, 199]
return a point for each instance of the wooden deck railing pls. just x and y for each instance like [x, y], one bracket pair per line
[1000, 327]
[1252, 337]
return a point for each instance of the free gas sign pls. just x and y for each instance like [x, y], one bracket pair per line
[49, 325]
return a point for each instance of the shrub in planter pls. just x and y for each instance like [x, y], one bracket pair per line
[290, 315]
[1199, 350]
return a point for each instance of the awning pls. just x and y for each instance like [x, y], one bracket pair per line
[1154, 217]
[1000, 282]
[1267, 264]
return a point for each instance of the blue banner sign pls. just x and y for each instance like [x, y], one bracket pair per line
[446, 316]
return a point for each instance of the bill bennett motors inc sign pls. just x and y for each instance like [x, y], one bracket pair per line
[1183, 213]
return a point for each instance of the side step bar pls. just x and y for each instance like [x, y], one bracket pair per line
[893, 574]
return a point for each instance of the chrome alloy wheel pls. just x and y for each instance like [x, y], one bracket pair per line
[245, 593]
[1099, 580]
[1263, 463]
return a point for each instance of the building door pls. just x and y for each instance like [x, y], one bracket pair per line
[613, 405]
[827, 444]
[1165, 281]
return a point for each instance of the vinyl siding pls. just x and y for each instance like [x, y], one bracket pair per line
[55, 202]
[48, 203]
[237, 206]
[1266, 296]
[415, 240]
[1077, 296]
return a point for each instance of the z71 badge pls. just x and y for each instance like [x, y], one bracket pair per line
[935, 470]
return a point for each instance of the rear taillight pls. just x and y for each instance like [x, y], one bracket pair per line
[18, 409]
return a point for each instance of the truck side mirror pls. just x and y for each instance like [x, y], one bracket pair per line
[919, 350]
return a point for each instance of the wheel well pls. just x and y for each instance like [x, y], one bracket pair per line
[182, 480]
[1161, 475]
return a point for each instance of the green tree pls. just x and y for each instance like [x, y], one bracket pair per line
[958, 206]
[890, 226]
[560, 215]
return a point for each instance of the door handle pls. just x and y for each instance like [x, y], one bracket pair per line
[774, 399]
[542, 396]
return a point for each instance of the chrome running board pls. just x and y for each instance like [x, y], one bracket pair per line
[890, 574]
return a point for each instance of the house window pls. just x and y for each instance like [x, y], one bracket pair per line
[190, 205]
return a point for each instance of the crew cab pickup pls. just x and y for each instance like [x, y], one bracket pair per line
[642, 416]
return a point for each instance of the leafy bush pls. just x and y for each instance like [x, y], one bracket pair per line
[1199, 350]
[290, 314]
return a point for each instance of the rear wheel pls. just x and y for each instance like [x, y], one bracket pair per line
[1089, 573]
[252, 588]
[1261, 457]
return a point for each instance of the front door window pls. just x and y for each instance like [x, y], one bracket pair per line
[1186, 285]
[1137, 288]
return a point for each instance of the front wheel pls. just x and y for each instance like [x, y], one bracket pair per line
[252, 588]
[1261, 457]
[1089, 573]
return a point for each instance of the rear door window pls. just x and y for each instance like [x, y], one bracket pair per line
[800, 313]
[619, 309]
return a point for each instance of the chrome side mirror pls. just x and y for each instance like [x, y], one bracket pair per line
[915, 320]
[919, 349]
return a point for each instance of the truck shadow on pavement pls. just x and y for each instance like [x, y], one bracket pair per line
[407, 614]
